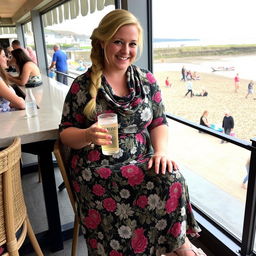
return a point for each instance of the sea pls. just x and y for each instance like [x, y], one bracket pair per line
[244, 65]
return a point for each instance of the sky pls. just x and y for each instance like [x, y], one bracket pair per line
[202, 19]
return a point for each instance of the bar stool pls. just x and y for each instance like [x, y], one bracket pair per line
[13, 211]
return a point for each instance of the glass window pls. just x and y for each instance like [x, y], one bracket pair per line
[73, 35]
[203, 59]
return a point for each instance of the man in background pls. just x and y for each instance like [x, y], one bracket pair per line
[16, 45]
[227, 123]
[59, 60]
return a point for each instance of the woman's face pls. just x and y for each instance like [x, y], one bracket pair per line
[121, 51]
[3, 60]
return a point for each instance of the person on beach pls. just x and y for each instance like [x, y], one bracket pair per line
[245, 180]
[167, 82]
[134, 202]
[204, 120]
[183, 74]
[249, 89]
[189, 88]
[227, 124]
[237, 82]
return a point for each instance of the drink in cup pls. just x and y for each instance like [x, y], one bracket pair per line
[109, 122]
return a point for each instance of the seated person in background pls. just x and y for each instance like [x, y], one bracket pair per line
[204, 120]
[203, 93]
[8, 99]
[8, 51]
[195, 76]
[29, 72]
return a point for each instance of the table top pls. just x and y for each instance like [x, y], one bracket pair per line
[49, 98]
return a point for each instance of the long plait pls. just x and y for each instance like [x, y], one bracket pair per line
[97, 60]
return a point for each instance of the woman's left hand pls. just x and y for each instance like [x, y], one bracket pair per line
[162, 163]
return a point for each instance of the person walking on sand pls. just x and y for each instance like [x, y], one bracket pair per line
[237, 82]
[167, 82]
[245, 180]
[250, 89]
[183, 74]
[227, 123]
[189, 88]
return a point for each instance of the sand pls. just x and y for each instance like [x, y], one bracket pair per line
[221, 98]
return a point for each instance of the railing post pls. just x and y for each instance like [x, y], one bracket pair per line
[249, 226]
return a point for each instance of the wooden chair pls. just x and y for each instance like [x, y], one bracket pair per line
[62, 154]
[13, 211]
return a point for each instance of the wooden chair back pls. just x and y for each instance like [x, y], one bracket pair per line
[62, 154]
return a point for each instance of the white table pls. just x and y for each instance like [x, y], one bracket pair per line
[41, 131]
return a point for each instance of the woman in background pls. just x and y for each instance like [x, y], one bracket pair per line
[8, 99]
[29, 72]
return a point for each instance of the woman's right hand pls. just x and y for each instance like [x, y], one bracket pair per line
[97, 135]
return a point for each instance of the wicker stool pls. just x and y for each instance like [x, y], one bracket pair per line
[13, 212]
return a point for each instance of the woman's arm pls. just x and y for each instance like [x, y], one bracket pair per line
[205, 121]
[24, 76]
[15, 100]
[160, 159]
[78, 138]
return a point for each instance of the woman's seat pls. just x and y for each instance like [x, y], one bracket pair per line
[13, 211]
[62, 154]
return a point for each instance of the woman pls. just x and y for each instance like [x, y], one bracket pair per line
[8, 98]
[131, 202]
[204, 120]
[29, 73]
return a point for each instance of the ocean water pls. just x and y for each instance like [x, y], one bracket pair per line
[244, 65]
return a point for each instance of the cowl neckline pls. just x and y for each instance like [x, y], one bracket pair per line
[127, 104]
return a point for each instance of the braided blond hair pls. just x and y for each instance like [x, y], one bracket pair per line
[103, 34]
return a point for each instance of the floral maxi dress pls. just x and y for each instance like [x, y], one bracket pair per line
[126, 209]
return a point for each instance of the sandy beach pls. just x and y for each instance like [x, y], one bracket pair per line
[221, 97]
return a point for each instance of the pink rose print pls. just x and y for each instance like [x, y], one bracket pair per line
[151, 78]
[98, 190]
[142, 201]
[76, 186]
[156, 122]
[79, 118]
[171, 205]
[157, 97]
[140, 138]
[93, 219]
[136, 179]
[74, 161]
[136, 102]
[189, 207]
[93, 156]
[175, 229]
[129, 171]
[175, 190]
[75, 88]
[147, 124]
[139, 241]
[115, 253]
[104, 172]
[93, 243]
[109, 204]
[67, 123]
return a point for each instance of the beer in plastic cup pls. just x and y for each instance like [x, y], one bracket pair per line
[109, 122]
